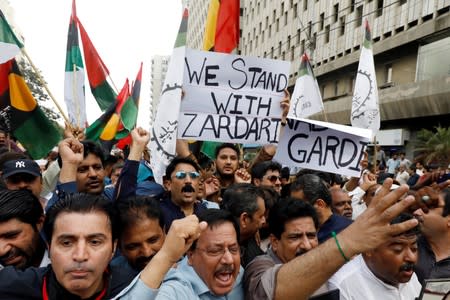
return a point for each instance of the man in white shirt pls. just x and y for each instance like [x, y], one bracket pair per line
[387, 272]
[402, 174]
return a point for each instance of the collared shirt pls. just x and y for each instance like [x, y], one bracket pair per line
[356, 281]
[334, 223]
[181, 283]
[260, 277]
[173, 212]
[427, 267]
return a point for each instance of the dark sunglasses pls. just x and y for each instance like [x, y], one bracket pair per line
[183, 174]
[273, 178]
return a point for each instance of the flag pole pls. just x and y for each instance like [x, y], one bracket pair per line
[375, 155]
[114, 85]
[324, 115]
[46, 87]
[75, 95]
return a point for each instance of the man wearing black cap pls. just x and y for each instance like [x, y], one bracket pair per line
[20, 174]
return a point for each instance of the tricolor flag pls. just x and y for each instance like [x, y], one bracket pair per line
[306, 98]
[74, 77]
[222, 26]
[105, 128]
[129, 112]
[365, 108]
[221, 35]
[22, 115]
[164, 131]
[97, 73]
[9, 44]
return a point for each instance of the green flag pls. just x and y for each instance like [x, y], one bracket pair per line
[9, 44]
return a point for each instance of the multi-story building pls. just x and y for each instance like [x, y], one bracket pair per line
[411, 45]
[158, 74]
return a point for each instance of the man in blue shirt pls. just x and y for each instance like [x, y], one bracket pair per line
[311, 188]
[211, 269]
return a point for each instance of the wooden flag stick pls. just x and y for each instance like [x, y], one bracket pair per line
[324, 115]
[375, 155]
[46, 87]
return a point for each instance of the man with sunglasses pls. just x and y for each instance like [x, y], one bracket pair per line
[267, 173]
[182, 175]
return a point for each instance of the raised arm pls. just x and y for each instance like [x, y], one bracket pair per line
[368, 231]
[127, 181]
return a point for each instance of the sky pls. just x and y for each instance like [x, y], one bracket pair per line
[125, 34]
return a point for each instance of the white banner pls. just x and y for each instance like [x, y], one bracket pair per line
[322, 146]
[242, 93]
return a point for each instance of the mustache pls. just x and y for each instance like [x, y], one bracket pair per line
[187, 189]
[407, 267]
[225, 269]
[300, 252]
[144, 260]
[78, 267]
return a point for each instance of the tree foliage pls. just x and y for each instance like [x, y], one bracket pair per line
[433, 146]
[37, 89]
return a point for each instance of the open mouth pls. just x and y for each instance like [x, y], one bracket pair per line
[224, 278]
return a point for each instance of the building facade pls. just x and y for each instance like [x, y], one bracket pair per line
[158, 74]
[411, 45]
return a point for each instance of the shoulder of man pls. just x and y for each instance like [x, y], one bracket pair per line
[120, 278]
[17, 284]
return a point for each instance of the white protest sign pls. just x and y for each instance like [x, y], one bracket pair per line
[220, 128]
[322, 146]
[241, 93]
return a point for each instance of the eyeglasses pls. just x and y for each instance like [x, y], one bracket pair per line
[216, 252]
[273, 178]
[183, 174]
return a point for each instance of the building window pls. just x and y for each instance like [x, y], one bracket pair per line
[278, 25]
[282, 8]
[336, 13]
[295, 11]
[327, 34]
[336, 87]
[302, 47]
[305, 5]
[433, 60]
[260, 28]
[289, 41]
[292, 53]
[298, 36]
[379, 12]
[359, 13]
[267, 21]
[388, 73]
[322, 21]
[352, 5]
[274, 16]
[285, 18]
[270, 30]
[401, 2]
[279, 48]
[309, 29]
[341, 26]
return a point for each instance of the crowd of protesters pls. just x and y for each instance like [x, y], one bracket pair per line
[85, 224]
